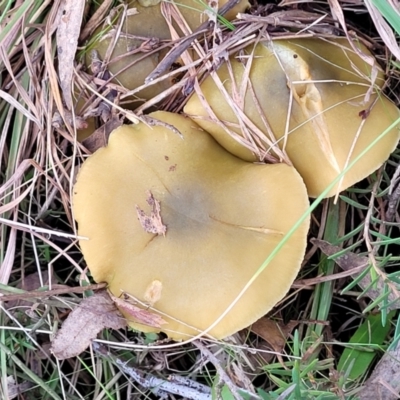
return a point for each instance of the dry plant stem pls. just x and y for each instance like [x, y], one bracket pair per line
[186, 388]
[250, 132]
[293, 19]
[160, 79]
[176, 52]
[126, 113]
[95, 19]
[35, 229]
[319, 279]
[38, 294]
[229, 44]
[321, 223]
[337, 13]
[220, 370]
[384, 29]
[353, 263]
[157, 99]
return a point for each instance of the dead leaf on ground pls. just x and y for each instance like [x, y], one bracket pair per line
[349, 261]
[140, 315]
[151, 223]
[15, 389]
[84, 323]
[99, 138]
[384, 383]
[68, 32]
[274, 333]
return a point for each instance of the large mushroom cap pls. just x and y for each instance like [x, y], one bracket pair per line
[220, 219]
[133, 58]
[314, 90]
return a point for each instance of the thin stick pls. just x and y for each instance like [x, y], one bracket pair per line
[188, 389]
[47, 293]
[221, 371]
[176, 52]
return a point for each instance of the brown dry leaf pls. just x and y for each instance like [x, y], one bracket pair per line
[384, 383]
[67, 42]
[275, 333]
[140, 315]
[99, 138]
[351, 261]
[15, 389]
[84, 323]
[151, 223]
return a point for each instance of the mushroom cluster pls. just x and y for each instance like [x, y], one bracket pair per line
[182, 225]
[181, 222]
[310, 97]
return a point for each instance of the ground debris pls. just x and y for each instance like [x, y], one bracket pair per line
[84, 323]
[177, 385]
[140, 315]
[354, 261]
[384, 383]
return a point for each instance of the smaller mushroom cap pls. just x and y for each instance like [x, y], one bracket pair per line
[182, 225]
[147, 24]
[313, 90]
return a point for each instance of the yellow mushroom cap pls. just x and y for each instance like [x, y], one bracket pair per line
[221, 217]
[321, 86]
[148, 22]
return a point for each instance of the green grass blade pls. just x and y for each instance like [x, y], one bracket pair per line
[389, 13]
[370, 332]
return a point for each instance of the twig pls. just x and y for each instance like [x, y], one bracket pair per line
[186, 388]
[222, 373]
[47, 293]
[175, 53]
[353, 263]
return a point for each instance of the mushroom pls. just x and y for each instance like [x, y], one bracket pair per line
[134, 55]
[178, 223]
[311, 92]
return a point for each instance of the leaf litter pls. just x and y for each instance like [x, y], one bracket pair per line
[351, 261]
[84, 323]
[139, 315]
